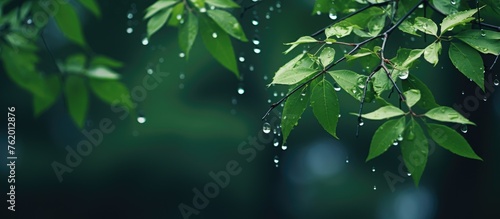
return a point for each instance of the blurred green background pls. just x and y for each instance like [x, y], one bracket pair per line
[196, 120]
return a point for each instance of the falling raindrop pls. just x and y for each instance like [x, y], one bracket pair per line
[255, 22]
[374, 187]
[256, 50]
[347, 160]
[408, 174]
[255, 41]
[141, 119]
[266, 128]
[496, 82]
[373, 169]
[268, 100]
[361, 123]
[182, 76]
[284, 147]
[275, 94]
[485, 98]
[130, 15]
[203, 10]
[483, 33]
[145, 41]
[464, 128]
[271, 8]
[241, 90]
[242, 59]
[336, 87]
[276, 142]
[318, 12]
[463, 92]
[149, 71]
[276, 159]
[130, 30]
[265, 77]
[214, 35]
[234, 101]
[395, 143]
[453, 2]
[181, 86]
[182, 55]
[282, 94]
[268, 15]
[332, 14]
[251, 68]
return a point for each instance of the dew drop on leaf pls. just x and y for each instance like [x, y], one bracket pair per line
[332, 14]
[241, 90]
[483, 33]
[403, 75]
[400, 138]
[464, 128]
[203, 10]
[145, 41]
[496, 82]
[336, 87]
[453, 2]
[266, 128]
[214, 35]
[182, 55]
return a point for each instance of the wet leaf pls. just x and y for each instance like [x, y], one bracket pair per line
[228, 23]
[294, 107]
[412, 97]
[468, 61]
[158, 20]
[384, 136]
[447, 114]
[484, 41]
[293, 75]
[415, 150]
[455, 19]
[187, 33]
[427, 100]
[77, 98]
[325, 105]
[425, 25]
[385, 112]
[432, 51]
[327, 56]
[301, 40]
[451, 140]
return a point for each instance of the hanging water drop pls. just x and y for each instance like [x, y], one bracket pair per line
[276, 159]
[266, 128]
[464, 128]
[255, 22]
[130, 30]
[400, 138]
[347, 160]
[284, 147]
[242, 59]
[373, 169]
[408, 174]
[395, 143]
[336, 87]
[145, 41]
[483, 33]
[182, 55]
[141, 119]
[256, 50]
[149, 71]
[332, 14]
[374, 187]
[251, 68]
[255, 41]
[214, 35]
[403, 75]
[360, 122]
[496, 82]
[453, 2]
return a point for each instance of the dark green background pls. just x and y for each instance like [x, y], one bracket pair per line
[147, 170]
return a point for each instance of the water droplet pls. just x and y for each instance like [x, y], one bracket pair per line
[268, 100]
[255, 41]
[181, 86]
[149, 71]
[145, 41]
[242, 59]
[395, 143]
[271, 8]
[403, 75]
[421, 6]
[266, 128]
[268, 15]
[251, 68]
[483, 33]
[496, 82]
[234, 101]
[485, 98]
[278, 4]
[347, 160]
[408, 174]
[373, 169]
[203, 10]
[182, 76]
[374, 187]
[318, 12]
[360, 122]
[212, 7]
[214, 35]
[276, 159]
[255, 22]
[265, 77]
[336, 87]
[453, 2]
[141, 119]
[130, 30]
[400, 138]
[282, 94]
[130, 15]
[275, 94]
[463, 92]
[464, 129]
[284, 147]
[256, 50]
[332, 14]
[241, 90]
[182, 55]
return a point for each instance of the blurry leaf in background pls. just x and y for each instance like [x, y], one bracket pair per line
[92, 6]
[112, 92]
[69, 24]
[77, 98]
[51, 88]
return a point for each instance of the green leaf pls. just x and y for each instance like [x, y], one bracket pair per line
[325, 105]
[177, 15]
[321, 6]
[102, 73]
[362, 53]
[50, 89]
[414, 55]
[339, 30]
[381, 81]
[455, 19]
[427, 100]
[376, 24]
[432, 51]
[384, 136]
[412, 97]
[198, 3]
[294, 107]
[447, 8]
[105, 61]
[228, 23]
[484, 41]
[157, 6]
[293, 75]
[92, 6]
[301, 40]
[425, 25]
[468, 61]
[407, 27]
[69, 24]
[223, 3]
[415, 150]
[384, 112]
[352, 83]
[19, 41]
[447, 114]
[187, 33]
[158, 20]
[288, 66]
[219, 46]
[111, 92]
[77, 98]
[20, 67]
[75, 63]
[451, 140]
[493, 4]
[327, 56]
